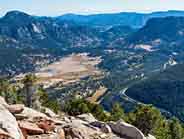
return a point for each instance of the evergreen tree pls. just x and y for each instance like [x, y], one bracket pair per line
[8, 91]
[29, 88]
[117, 112]
[83, 108]
[147, 118]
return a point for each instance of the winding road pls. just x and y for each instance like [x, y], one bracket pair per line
[123, 93]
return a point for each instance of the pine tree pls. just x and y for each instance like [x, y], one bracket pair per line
[6, 91]
[147, 118]
[29, 82]
[117, 112]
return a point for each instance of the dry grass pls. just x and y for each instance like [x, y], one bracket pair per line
[96, 96]
[69, 69]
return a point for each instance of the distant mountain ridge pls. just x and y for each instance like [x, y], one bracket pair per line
[160, 33]
[51, 32]
[43, 31]
[132, 19]
[135, 20]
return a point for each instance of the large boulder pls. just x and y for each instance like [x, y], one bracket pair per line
[126, 130]
[8, 123]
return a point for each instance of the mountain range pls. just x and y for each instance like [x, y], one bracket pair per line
[133, 46]
[132, 19]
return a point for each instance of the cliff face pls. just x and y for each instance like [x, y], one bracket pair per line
[20, 122]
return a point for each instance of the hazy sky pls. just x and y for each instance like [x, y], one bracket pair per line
[59, 7]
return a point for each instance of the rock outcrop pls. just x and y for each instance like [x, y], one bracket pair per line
[20, 122]
[8, 125]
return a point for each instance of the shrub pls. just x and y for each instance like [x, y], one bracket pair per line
[81, 106]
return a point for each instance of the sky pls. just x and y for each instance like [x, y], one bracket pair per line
[60, 7]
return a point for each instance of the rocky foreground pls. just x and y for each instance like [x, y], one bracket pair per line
[20, 122]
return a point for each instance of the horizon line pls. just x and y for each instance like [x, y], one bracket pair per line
[92, 12]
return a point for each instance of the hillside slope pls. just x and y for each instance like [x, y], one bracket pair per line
[164, 90]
